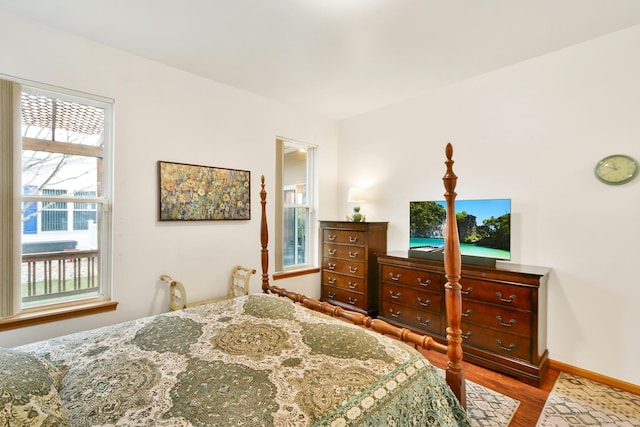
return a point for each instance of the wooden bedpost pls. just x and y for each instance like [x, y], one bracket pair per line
[453, 296]
[264, 239]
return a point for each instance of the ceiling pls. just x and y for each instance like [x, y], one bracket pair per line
[338, 58]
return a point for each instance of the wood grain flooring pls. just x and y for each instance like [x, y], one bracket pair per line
[531, 398]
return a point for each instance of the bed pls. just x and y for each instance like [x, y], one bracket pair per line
[255, 360]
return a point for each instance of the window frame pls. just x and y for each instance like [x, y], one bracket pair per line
[28, 316]
[311, 204]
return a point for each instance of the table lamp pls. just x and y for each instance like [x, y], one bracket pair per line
[356, 195]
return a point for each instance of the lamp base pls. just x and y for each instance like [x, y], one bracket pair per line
[357, 216]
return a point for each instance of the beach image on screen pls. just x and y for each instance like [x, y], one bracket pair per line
[484, 227]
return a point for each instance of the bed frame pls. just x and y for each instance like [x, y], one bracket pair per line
[453, 298]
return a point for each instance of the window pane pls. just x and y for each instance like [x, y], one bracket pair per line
[51, 119]
[61, 267]
[295, 218]
[302, 231]
[42, 171]
[289, 237]
[296, 232]
[62, 164]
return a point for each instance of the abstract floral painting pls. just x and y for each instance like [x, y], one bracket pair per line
[195, 193]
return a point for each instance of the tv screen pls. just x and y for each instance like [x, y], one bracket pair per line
[484, 227]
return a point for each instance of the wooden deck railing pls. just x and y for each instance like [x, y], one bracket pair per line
[49, 275]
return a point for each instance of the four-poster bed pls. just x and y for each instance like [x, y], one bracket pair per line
[257, 359]
[453, 296]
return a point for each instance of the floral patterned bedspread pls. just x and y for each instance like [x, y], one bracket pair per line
[258, 360]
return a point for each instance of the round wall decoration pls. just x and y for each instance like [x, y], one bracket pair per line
[616, 169]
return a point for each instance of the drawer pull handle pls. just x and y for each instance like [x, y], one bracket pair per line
[467, 292]
[353, 285]
[331, 280]
[394, 313]
[467, 313]
[510, 348]
[424, 303]
[467, 335]
[395, 278]
[353, 254]
[510, 300]
[332, 237]
[331, 266]
[395, 296]
[424, 322]
[353, 301]
[508, 325]
[353, 239]
[332, 251]
[353, 269]
[331, 295]
[425, 283]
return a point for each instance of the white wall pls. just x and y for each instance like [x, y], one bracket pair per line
[532, 132]
[163, 113]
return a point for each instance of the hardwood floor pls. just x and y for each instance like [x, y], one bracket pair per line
[531, 398]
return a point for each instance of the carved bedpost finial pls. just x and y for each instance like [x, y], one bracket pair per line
[450, 179]
[449, 151]
[264, 238]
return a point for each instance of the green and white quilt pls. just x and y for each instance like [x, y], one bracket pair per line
[258, 360]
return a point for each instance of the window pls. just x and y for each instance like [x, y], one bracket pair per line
[65, 231]
[295, 217]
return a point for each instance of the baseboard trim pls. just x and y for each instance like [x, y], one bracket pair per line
[594, 376]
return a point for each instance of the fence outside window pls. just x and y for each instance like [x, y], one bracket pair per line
[55, 276]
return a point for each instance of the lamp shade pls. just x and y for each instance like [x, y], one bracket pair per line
[356, 195]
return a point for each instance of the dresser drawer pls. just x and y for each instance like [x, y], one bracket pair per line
[499, 343]
[349, 283]
[354, 253]
[343, 266]
[496, 293]
[406, 276]
[421, 320]
[348, 298]
[349, 237]
[412, 297]
[505, 319]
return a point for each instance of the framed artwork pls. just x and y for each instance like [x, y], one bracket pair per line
[202, 193]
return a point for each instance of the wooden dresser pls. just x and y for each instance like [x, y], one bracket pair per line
[349, 268]
[504, 310]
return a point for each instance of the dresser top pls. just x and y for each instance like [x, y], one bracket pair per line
[353, 225]
[506, 267]
[353, 222]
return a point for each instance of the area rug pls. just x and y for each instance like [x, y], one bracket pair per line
[487, 407]
[576, 401]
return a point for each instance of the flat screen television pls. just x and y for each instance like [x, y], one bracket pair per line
[484, 227]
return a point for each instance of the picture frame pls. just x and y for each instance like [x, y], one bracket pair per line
[188, 192]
